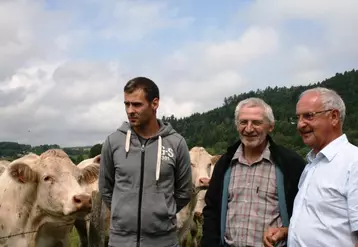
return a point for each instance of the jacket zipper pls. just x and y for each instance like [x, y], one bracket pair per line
[139, 222]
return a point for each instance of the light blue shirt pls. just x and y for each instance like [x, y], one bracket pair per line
[325, 209]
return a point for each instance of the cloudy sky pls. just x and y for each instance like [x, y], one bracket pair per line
[63, 63]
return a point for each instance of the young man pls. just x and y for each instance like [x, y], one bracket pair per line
[326, 207]
[253, 184]
[145, 175]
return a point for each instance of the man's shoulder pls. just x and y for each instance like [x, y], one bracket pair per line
[114, 134]
[176, 139]
[286, 152]
[115, 138]
[349, 151]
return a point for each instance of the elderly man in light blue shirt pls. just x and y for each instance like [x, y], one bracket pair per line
[325, 210]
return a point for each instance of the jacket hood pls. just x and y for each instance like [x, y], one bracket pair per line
[165, 129]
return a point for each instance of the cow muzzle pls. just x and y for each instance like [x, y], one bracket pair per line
[83, 202]
[204, 182]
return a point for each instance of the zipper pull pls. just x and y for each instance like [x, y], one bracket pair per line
[142, 148]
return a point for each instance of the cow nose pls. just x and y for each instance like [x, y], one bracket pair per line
[82, 202]
[198, 214]
[204, 181]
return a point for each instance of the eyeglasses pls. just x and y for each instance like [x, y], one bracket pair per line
[307, 116]
[255, 123]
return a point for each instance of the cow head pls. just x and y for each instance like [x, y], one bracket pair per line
[91, 161]
[58, 181]
[202, 166]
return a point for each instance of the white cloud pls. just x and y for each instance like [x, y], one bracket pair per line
[129, 20]
[339, 19]
[202, 74]
[53, 88]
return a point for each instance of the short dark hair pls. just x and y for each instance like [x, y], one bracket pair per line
[150, 89]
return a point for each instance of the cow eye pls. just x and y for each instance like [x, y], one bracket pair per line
[80, 179]
[48, 178]
[209, 168]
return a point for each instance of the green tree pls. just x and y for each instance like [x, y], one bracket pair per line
[95, 150]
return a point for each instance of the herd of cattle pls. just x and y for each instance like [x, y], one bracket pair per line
[43, 197]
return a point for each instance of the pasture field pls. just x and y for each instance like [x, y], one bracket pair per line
[75, 240]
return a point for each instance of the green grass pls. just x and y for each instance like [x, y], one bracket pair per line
[74, 240]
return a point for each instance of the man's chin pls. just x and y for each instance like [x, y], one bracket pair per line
[251, 144]
[133, 123]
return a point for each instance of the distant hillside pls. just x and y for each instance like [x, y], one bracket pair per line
[215, 129]
[13, 150]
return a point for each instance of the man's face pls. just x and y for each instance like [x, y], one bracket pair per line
[138, 109]
[252, 126]
[314, 124]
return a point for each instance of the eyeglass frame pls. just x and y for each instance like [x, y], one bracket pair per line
[310, 117]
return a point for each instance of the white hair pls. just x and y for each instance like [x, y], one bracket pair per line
[252, 102]
[330, 100]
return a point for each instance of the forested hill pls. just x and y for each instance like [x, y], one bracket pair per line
[215, 129]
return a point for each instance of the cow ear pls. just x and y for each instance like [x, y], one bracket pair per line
[22, 173]
[97, 159]
[2, 169]
[215, 159]
[90, 173]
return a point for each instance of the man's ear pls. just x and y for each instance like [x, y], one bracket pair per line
[271, 127]
[336, 117]
[155, 104]
[22, 173]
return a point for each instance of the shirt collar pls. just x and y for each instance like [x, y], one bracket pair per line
[330, 150]
[266, 154]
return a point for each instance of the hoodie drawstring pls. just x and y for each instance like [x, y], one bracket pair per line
[159, 154]
[128, 140]
[159, 160]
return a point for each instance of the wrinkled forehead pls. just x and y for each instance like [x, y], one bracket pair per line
[58, 166]
[249, 112]
[309, 102]
[200, 159]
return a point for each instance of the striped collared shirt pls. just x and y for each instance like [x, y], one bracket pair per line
[253, 200]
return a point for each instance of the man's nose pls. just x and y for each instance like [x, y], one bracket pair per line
[130, 109]
[249, 127]
[300, 123]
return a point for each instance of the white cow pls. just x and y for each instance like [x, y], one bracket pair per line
[202, 165]
[82, 224]
[42, 196]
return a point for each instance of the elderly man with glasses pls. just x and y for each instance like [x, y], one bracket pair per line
[325, 210]
[253, 184]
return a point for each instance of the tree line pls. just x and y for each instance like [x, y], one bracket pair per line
[215, 130]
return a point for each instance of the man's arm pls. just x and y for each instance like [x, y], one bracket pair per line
[352, 199]
[106, 174]
[211, 211]
[183, 177]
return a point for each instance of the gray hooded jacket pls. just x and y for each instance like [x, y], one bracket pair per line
[144, 185]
